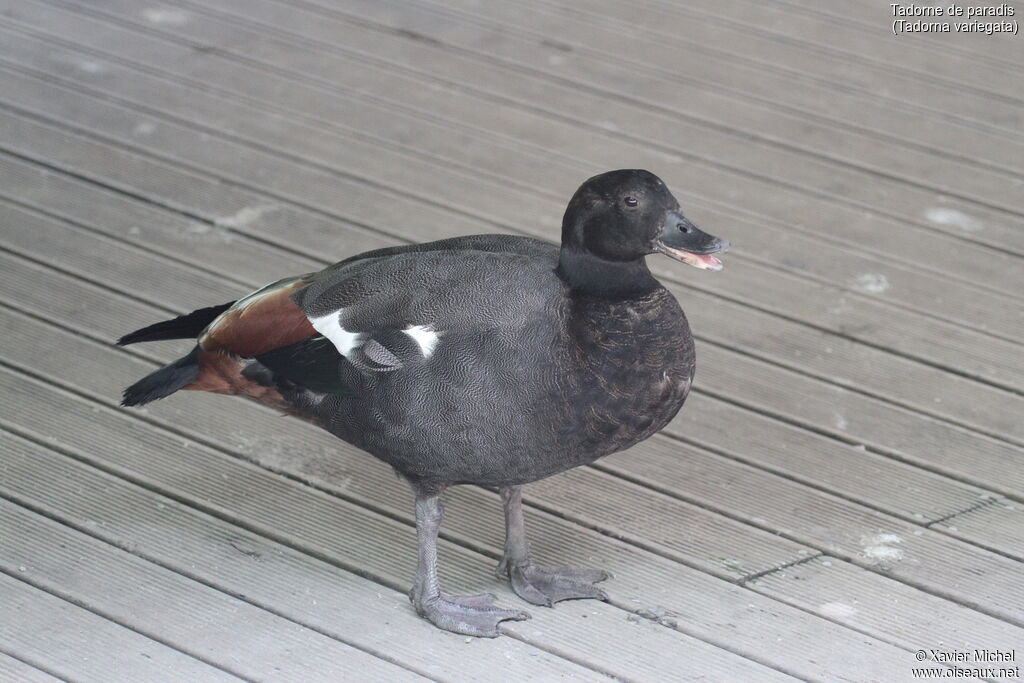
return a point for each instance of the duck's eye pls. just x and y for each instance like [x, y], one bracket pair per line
[630, 201]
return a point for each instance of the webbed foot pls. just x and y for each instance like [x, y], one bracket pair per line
[471, 615]
[544, 585]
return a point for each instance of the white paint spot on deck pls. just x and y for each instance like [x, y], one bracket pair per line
[207, 233]
[881, 548]
[941, 215]
[166, 16]
[90, 67]
[841, 423]
[837, 610]
[144, 128]
[871, 283]
[246, 215]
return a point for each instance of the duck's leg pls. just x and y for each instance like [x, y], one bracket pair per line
[537, 583]
[473, 615]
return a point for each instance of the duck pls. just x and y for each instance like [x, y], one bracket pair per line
[494, 360]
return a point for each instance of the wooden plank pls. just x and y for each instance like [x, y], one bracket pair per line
[850, 471]
[601, 53]
[605, 69]
[862, 421]
[738, 372]
[932, 561]
[73, 643]
[203, 622]
[706, 28]
[796, 36]
[999, 525]
[163, 232]
[710, 70]
[833, 589]
[12, 669]
[977, 46]
[866, 538]
[612, 78]
[997, 413]
[861, 274]
[242, 250]
[555, 134]
[379, 546]
[229, 558]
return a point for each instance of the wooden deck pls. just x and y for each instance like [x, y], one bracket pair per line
[843, 489]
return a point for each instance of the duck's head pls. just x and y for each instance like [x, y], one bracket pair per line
[622, 216]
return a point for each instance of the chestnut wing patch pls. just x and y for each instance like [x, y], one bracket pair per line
[265, 320]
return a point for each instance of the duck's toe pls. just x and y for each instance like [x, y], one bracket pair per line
[471, 615]
[478, 601]
[542, 585]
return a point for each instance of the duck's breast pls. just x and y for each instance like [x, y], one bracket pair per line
[635, 368]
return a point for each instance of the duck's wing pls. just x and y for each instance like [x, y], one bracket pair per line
[269, 319]
[384, 313]
[382, 310]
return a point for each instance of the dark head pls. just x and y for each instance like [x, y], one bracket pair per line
[617, 218]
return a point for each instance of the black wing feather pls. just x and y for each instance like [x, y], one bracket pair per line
[312, 363]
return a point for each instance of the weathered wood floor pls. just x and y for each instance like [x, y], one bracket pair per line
[842, 490]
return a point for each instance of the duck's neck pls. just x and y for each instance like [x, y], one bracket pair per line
[593, 276]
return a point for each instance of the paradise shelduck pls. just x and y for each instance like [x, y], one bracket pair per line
[490, 359]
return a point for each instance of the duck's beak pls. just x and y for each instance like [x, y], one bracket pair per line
[683, 241]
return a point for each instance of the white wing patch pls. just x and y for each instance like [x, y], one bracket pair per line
[425, 336]
[348, 343]
[330, 327]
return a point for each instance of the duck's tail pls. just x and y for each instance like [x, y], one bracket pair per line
[181, 372]
[163, 382]
[186, 326]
